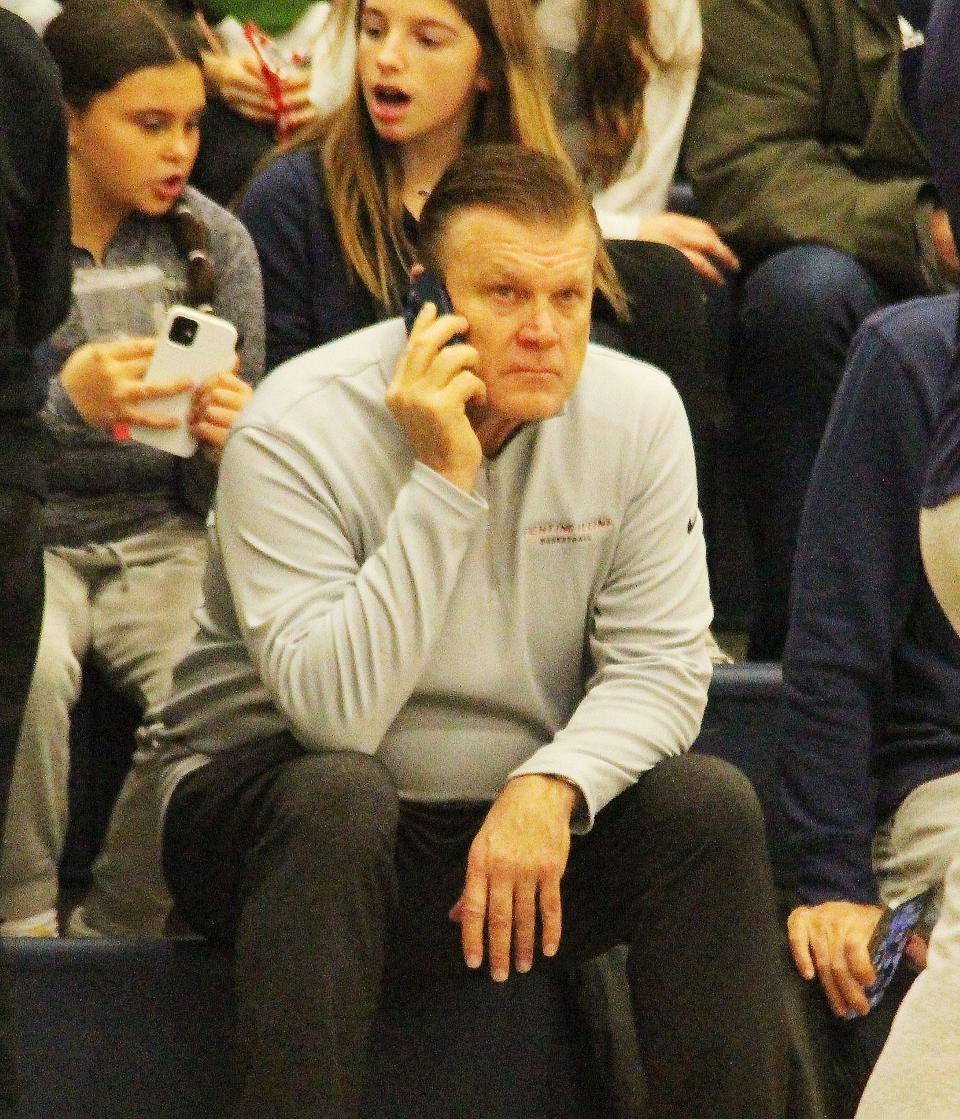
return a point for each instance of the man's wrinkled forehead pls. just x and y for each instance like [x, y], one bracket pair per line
[487, 241]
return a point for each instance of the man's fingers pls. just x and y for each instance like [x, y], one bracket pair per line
[500, 925]
[427, 351]
[798, 934]
[524, 924]
[467, 386]
[472, 914]
[858, 962]
[551, 916]
[844, 993]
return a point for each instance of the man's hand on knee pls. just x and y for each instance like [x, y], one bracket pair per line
[515, 865]
[832, 941]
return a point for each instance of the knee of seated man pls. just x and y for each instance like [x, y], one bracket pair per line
[809, 289]
[715, 801]
[345, 797]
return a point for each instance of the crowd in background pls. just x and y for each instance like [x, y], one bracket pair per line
[269, 162]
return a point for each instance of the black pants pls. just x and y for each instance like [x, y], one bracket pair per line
[318, 878]
[24, 451]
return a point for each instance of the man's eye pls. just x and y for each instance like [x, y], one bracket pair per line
[505, 292]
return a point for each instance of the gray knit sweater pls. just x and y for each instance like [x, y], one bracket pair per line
[101, 489]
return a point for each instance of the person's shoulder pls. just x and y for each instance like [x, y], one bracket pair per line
[290, 176]
[297, 395]
[623, 387]
[228, 236]
[23, 56]
[920, 333]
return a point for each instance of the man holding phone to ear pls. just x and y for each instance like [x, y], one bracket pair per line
[450, 658]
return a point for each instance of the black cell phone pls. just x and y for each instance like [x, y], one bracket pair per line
[889, 940]
[428, 288]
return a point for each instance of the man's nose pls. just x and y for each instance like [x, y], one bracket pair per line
[540, 328]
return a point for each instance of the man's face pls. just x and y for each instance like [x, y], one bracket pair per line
[526, 291]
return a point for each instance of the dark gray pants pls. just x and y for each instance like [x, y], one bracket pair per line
[310, 869]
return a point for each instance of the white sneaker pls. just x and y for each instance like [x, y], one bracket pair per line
[40, 924]
[77, 924]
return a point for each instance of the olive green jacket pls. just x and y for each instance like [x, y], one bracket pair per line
[797, 135]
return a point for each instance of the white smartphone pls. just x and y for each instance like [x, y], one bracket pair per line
[191, 344]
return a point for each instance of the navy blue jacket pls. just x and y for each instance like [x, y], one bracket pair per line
[871, 667]
[940, 99]
[311, 294]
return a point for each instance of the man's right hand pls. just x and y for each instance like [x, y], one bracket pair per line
[831, 940]
[429, 393]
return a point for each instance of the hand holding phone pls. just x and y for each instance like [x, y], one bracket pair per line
[889, 941]
[194, 345]
[431, 387]
[428, 288]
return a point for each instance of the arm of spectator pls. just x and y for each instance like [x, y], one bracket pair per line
[940, 95]
[696, 239]
[338, 630]
[646, 696]
[239, 299]
[754, 150]
[281, 208]
[43, 248]
[855, 580]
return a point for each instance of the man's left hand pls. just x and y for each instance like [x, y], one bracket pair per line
[515, 864]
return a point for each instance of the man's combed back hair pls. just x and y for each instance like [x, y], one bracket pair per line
[529, 186]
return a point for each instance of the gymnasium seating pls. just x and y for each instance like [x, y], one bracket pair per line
[133, 1029]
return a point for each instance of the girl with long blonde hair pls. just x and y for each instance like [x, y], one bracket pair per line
[334, 218]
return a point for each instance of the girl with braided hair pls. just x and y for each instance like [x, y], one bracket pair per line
[123, 526]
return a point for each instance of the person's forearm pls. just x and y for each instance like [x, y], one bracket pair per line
[340, 647]
[647, 696]
[854, 578]
[940, 95]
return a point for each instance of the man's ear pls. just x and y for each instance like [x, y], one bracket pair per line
[416, 271]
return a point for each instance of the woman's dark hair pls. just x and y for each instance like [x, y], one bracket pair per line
[96, 44]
